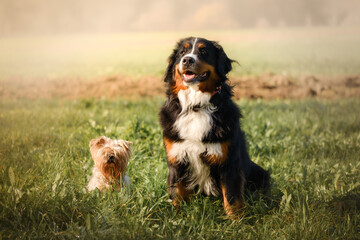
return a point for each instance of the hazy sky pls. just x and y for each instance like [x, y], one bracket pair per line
[69, 16]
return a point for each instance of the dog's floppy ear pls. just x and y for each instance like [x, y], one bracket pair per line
[223, 64]
[97, 142]
[170, 67]
[172, 60]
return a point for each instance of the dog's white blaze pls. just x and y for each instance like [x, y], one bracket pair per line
[191, 54]
[193, 127]
[193, 47]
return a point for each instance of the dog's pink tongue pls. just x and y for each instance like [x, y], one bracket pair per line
[188, 76]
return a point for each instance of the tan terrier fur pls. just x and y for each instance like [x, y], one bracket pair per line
[111, 158]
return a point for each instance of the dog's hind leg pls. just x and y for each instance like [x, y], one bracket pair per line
[232, 188]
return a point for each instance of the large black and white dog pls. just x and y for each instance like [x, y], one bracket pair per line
[205, 147]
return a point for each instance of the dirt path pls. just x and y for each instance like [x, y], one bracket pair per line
[268, 86]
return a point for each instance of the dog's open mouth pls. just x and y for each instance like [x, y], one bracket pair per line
[189, 76]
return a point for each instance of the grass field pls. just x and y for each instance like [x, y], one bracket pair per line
[314, 51]
[311, 147]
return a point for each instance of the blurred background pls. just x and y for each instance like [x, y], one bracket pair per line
[89, 16]
[66, 48]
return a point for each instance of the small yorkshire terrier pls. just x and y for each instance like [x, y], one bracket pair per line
[111, 158]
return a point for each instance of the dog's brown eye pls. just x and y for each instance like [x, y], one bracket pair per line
[203, 51]
[182, 52]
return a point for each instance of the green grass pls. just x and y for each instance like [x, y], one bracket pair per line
[299, 51]
[311, 148]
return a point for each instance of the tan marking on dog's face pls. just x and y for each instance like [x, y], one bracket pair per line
[179, 84]
[210, 84]
[201, 45]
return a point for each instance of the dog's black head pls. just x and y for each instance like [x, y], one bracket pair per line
[197, 61]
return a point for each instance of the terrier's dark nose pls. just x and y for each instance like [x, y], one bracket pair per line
[111, 159]
[188, 61]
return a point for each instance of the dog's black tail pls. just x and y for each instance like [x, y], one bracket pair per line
[258, 179]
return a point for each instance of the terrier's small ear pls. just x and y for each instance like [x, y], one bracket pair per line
[97, 142]
[127, 144]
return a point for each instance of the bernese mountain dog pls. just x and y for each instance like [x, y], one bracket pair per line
[205, 147]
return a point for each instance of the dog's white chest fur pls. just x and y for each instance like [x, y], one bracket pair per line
[193, 126]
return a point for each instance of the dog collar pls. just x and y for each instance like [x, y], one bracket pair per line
[217, 90]
[197, 107]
